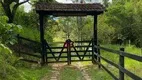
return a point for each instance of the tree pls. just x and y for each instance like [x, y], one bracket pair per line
[10, 8]
[125, 17]
[106, 3]
[7, 61]
[8, 31]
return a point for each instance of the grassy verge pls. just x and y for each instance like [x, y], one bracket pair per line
[35, 73]
[131, 65]
[70, 73]
[98, 74]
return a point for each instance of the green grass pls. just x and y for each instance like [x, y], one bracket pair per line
[30, 33]
[98, 74]
[35, 73]
[70, 73]
[130, 64]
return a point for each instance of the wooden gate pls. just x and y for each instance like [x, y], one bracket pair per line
[69, 51]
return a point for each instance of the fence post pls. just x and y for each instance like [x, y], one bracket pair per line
[93, 52]
[121, 63]
[99, 59]
[68, 52]
[46, 54]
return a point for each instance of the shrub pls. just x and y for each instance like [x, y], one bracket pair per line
[7, 61]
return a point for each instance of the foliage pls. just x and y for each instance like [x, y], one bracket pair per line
[98, 74]
[8, 32]
[10, 7]
[7, 60]
[70, 73]
[130, 64]
[30, 23]
[29, 19]
[106, 33]
[125, 17]
[1, 10]
[36, 73]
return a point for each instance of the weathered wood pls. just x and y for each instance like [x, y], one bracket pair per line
[95, 40]
[129, 55]
[121, 66]
[31, 61]
[121, 63]
[68, 52]
[99, 59]
[41, 17]
[109, 72]
[57, 9]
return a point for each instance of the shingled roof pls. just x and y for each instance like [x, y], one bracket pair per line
[67, 8]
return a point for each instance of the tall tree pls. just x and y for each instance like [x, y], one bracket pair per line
[10, 7]
[106, 3]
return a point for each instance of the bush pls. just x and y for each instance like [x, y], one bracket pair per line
[7, 61]
[8, 31]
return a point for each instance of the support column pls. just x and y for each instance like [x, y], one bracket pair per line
[68, 51]
[41, 18]
[95, 38]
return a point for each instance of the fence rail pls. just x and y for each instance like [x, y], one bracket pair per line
[121, 65]
[95, 52]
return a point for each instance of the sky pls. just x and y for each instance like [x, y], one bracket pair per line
[27, 6]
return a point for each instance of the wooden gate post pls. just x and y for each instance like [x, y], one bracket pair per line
[68, 52]
[99, 59]
[121, 63]
[95, 40]
[41, 18]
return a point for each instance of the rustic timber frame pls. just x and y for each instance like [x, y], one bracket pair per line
[57, 9]
[77, 10]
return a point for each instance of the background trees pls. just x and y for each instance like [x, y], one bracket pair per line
[10, 7]
[124, 18]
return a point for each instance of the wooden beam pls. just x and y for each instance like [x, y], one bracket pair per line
[95, 39]
[41, 18]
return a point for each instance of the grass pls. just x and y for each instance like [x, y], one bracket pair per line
[70, 73]
[131, 65]
[36, 73]
[98, 74]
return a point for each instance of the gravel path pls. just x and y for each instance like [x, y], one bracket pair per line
[83, 71]
[58, 66]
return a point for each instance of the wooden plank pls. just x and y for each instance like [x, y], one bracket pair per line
[132, 56]
[58, 57]
[110, 73]
[57, 52]
[56, 47]
[80, 55]
[130, 74]
[28, 39]
[57, 61]
[25, 53]
[129, 55]
[108, 61]
[83, 46]
[82, 51]
[121, 63]
[82, 41]
[29, 60]
[80, 60]
[41, 18]
[95, 36]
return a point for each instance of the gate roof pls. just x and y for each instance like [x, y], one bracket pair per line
[60, 9]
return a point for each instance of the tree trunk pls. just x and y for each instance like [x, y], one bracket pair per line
[10, 11]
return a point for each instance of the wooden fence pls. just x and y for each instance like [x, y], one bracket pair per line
[121, 65]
